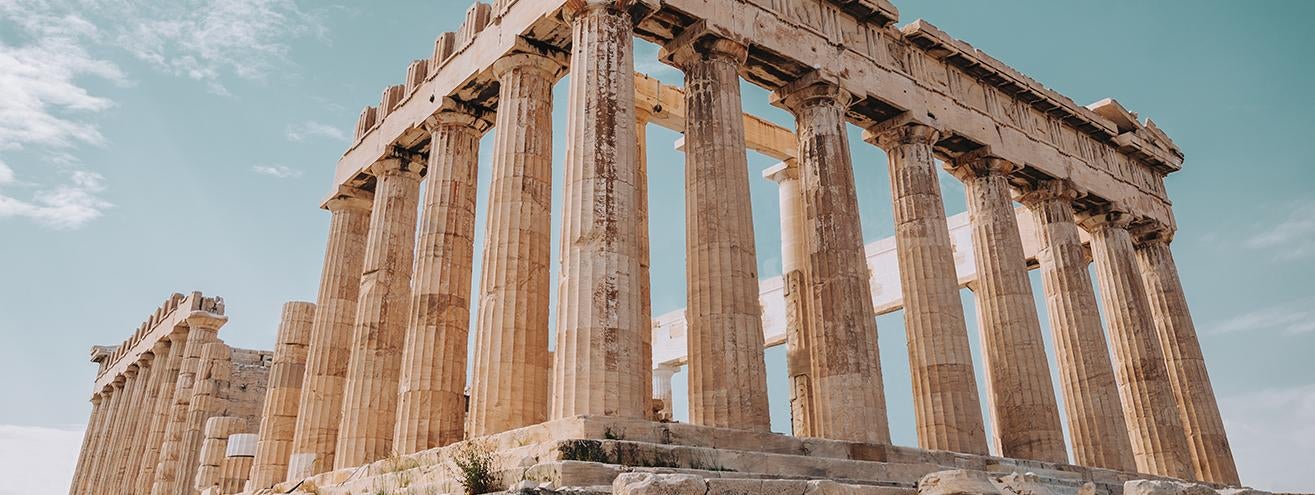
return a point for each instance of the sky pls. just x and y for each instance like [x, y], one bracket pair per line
[163, 146]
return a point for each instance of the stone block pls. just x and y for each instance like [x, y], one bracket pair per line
[957, 482]
[659, 484]
[1165, 487]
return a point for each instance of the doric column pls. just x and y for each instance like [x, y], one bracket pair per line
[286, 373]
[847, 383]
[320, 408]
[945, 400]
[170, 475]
[369, 405]
[1211, 456]
[1024, 412]
[727, 373]
[431, 408]
[798, 314]
[213, 447]
[150, 404]
[601, 327]
[1086, 377]
[135, 377]
[510, 381]
[662, 389]
[88, 441]
[239, 458]
[96, 478]
[126, 477]
[642, 117]
[160, 410]
[208, 400]
[1149, 409]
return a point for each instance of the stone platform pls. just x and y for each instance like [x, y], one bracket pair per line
[635, 457]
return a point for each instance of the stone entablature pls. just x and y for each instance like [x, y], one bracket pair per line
[166, 319]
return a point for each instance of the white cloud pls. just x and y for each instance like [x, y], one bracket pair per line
[1272, 433]
[36, 460]
[6, 174]
[311, 129]
[66, 206]
[1292, 237]
[1290, 319]
[277, 171]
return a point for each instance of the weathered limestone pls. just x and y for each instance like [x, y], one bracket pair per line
[161, 411]
[126, 477]
[279, 418]
[89, 439]
[510, 379]
[137, 459]
[1091, 398]
[846, 366]
[369, 404]
[113, 394]
[1025, 414]
[662, 390]
[1158, 443]
[239, 458]
[945, 400]
[727, 373]
[431, 407]
[957, 482]
[320, 407]
[171, 473]
[642, 116]
[213, 447]
[799, 317]
[1211, 456]
[211, 383]
[136, 375]
[601, 327]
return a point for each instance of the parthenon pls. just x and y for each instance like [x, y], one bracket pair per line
[370, 389]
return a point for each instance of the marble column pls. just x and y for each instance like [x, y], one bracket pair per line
[135, 375]
[369, 404]
[208, 400]
[150, 402]
[95, 449]
[662, 390]
[96, 477]
[239, 458]
[431, 409]
[320, 407]
[847, 383]
[727, 372]
[798, 313]
[129, 455]
[1150, 412]
[88, 442]
[642, 117]
[601, 327]
[213, 447]
[1207, 442]
[203, 328]
[1097, 432]
[1024, 412]
[946, 404]
[286, 374]
[510, 380]
[160, 411]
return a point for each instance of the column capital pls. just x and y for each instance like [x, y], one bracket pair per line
[553, 64]
[899, 131]
[96, 399]
[350, 198]
[1112, 215]
[206, 319]
[980, 163]
[1049, 190]
[573, 9]
[785, 171]
[396, 165]
[1151, 233]
[452, 112]
[702, 42]
[130, 371]
[144, 361]
[815, 88]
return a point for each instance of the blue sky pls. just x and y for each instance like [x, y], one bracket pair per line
[159, 146]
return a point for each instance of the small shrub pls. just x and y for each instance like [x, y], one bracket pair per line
[583, 450]
[474, 464]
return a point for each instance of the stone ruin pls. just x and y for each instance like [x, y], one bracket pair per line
[366, 390]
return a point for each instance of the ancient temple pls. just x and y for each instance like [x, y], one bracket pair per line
[367, 389]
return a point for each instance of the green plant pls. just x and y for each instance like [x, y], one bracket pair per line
[583, 450]
[474, 464]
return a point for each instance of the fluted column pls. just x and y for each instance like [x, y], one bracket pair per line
[1207, 442]
[847, 383]
[1149, 409]
[320, 407]
[798, 313]
[727, 373]
[126, 476]
[1086, 377]
[97, 480]
[208, 400]
[662, 390]
[369, 406]
[642, 117]
[286, 373]
[160, 412]
[946, 404]
[171, 477]
[88, 441]
[213, 447]
[239, 459]
[510, 381]
[146, 422]
[96, 448]
[123, 426]
[601, 327]
[431, 408]
[1025, 414]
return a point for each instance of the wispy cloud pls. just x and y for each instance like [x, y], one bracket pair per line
[277, 171]
[64, 206]
[1292, 236]
[311, 129]
[1290, 319]
[37, 460]
[1271, 432]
